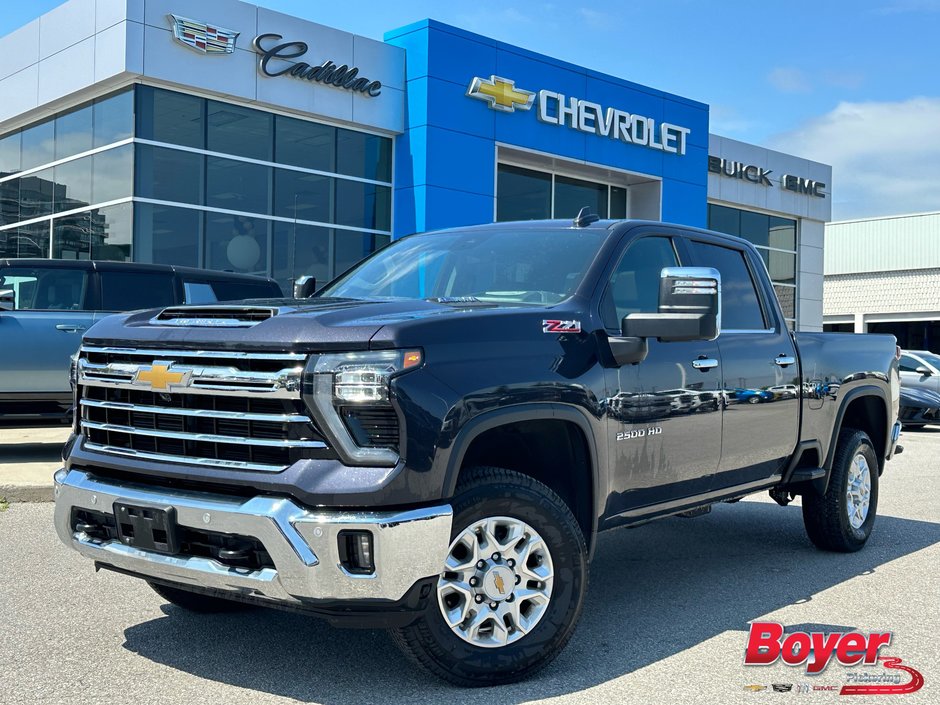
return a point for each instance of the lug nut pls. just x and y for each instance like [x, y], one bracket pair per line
[481, 564]
[492, 605]
[478, 598]
[474, 582]
[511, 598]
[511, 563]
[518, 579]
[496, 556]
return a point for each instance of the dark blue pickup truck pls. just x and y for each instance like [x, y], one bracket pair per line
[434, 440]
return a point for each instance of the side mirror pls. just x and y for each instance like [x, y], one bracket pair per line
[689, 309]
[305, 287]
[921, 370]
[7, 300]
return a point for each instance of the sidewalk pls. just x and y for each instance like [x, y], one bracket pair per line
[28, 457]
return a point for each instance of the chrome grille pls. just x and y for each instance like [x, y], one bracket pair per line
[210, 408]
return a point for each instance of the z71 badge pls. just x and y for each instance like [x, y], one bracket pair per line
[561, 326]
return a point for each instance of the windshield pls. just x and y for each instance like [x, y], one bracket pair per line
[514, 266]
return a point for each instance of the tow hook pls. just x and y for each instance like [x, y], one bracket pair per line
[781, 496]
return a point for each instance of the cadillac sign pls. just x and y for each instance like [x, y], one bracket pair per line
[202, 37]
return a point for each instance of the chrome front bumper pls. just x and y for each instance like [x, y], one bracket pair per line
[303, 543]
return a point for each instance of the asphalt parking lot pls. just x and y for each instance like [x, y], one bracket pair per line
[666, 618]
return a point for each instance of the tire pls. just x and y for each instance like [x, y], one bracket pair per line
[197, 601]
[508, 505]
[754, 400]
[827, 517]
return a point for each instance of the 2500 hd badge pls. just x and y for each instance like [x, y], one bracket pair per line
[408, 449]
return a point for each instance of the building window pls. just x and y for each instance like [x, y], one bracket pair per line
[237, 130]
[167, 234]
[100, 233]
[775, 240]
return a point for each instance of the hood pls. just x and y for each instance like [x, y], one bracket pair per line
[279, 324]
[921, 398]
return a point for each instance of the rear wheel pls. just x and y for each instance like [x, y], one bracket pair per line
[842, 519]
[511, 587]
[197, 601]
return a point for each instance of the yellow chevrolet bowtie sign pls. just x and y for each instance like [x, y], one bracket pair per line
[159, 376]
[501, 94]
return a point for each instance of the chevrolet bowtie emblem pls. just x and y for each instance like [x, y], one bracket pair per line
[498, 579]
[501, 94]
[159, 376]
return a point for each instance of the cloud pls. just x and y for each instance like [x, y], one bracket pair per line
[789, 80]
[728, 120]
[885, 156]
[595, 19]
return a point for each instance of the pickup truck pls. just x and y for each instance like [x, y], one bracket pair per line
[46, 305]
[433, 442]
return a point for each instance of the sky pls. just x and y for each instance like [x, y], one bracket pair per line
[852, 83]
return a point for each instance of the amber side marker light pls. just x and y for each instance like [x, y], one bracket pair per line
[412, 359]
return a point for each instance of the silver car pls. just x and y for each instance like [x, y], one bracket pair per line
[921, 369]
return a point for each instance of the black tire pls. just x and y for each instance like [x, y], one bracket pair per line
[489, 492]
[197, 601]
[826, 517]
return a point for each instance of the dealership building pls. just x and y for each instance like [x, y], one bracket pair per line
[224, 135]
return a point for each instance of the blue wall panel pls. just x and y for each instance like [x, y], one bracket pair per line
[444, 163]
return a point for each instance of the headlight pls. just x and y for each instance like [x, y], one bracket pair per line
[349, 395]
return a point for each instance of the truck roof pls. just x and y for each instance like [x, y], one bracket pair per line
[111, 266]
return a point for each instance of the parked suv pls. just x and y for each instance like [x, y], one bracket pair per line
[46, 305]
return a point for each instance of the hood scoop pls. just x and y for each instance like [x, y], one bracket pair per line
[213, 316]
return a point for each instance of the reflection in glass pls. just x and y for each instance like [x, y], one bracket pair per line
[786, 295]
[571, 195]
[38, 145]
[237, 130]
[350, 247]
[522, 194]
[780, 265]
[10, 153]
[113, 173]
[100, 233]
[167, 235]
[618, 203]
[236, 242]
[239, 186]
[724, 220]
[300, 250]
[361, 205]
[9, 202]
[755, 227]
[169, 174]
[72, 187]
[25, 241]
[782, 233]
[73, 132]
[113, 118]
[167, 116]
[36, 193]
[303, 196]
[363, 155]
[306, 144]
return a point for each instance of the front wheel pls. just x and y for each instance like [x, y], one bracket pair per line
[842, 519]
[511, 587]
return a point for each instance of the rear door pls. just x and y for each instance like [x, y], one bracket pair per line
[663, 414]
[760, 426]
[39, 336]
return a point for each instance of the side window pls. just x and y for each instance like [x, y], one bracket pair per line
[634, 285]
[46, 289]
[740, 304]
[198, 293]
[235, 290]
[130, 291]
[908, 364]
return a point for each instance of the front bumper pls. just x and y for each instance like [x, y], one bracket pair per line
[302, 542]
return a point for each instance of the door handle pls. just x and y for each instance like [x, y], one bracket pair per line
[784, 360]
[705, 363]
[71, 328]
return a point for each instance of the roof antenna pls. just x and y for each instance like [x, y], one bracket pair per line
[585, 218]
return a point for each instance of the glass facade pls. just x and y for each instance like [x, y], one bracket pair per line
[528, 194]
[159, 176]
[775, 239]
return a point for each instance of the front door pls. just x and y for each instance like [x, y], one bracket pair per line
[663, 414]
[920, 372]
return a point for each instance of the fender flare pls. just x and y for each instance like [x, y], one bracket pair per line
[515, 413]
[868, 390]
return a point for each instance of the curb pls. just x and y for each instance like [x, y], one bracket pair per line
[26, 493]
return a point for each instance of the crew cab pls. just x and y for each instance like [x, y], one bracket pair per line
[433, 442]
[46, 305]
